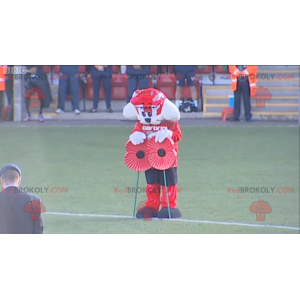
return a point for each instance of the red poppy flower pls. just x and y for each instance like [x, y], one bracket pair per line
[136, 157]
[161, 155]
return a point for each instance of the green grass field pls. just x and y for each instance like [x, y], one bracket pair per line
[89, 162]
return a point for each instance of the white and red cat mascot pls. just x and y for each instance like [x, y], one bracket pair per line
[156, 117]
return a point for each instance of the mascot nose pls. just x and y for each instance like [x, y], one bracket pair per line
[148, 120]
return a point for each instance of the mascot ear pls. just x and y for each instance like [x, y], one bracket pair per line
[129, 112]
[170, 111]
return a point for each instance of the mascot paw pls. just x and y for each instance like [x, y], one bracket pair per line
[161, 135]
[137, 138]
[164, 213]
[146, 213]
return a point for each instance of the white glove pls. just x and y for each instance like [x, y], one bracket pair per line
[161, 135]
[137, 138]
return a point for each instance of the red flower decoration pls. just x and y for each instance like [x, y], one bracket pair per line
[136, 157]
[161, 156]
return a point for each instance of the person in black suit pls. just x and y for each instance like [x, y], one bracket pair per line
[20, 213]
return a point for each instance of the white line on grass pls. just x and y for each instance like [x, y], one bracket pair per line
[176, 220]
[99, 125]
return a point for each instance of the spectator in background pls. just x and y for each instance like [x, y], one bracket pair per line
[2, 89]
[68, 75]
[36, 77]
[9, 82]
[138, 77]
[99, 73]
[188, 73]
[243, 85]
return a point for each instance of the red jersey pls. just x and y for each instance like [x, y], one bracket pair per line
[173, 126]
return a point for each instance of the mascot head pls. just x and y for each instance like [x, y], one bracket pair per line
[151, 106]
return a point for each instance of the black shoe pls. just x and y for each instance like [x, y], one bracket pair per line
[249, 120]
[233, 119]
[93, 110]
[109, 110]
[164, 213]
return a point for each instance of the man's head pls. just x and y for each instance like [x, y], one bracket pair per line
[10, 176]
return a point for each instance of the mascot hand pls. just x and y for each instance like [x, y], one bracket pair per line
[137, 138]
[161, 135]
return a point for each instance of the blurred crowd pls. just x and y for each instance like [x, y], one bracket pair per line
[38, 91]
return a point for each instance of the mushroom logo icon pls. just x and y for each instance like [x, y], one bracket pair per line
[147, 211]
[261, 94]
[260, 208]
[34, 95]
[34, 208]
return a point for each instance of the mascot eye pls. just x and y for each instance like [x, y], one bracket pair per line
[144, 114]
[150, 114]
[37, 94]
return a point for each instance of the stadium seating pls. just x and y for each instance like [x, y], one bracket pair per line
[82, 69]
[56, 69]
[119, 88]
[153, 69]
[89, 88]
[220, 70]
[205, 70]
[167, 84]
[47, 69]
[116, 69]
